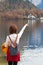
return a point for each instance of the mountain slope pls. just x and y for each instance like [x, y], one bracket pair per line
[18, 9]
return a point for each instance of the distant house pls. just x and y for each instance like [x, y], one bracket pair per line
[41, 19]
[31, 18]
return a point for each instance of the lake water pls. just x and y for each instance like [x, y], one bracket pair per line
[33, 53]
[30, 37]
[30, 55]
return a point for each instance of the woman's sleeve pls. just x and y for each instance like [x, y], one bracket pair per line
[7, 41]
[22, 30]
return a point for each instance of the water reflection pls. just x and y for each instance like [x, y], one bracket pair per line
[36, 38]
[33, 39]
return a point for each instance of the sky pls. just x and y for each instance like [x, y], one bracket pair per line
[38, 3]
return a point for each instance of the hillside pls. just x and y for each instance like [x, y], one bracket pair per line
[15, 4]
[11, 9]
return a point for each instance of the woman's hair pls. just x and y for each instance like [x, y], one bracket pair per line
[13, 29]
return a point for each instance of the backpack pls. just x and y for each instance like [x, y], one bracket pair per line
[13, 50]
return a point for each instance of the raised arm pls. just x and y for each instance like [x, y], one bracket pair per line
[22, 30]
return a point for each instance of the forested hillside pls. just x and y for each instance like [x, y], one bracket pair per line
[12, 9]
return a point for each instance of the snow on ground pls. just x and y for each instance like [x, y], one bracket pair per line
[32, 57]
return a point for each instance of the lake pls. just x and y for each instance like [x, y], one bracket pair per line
[31, 41]
[32, 36]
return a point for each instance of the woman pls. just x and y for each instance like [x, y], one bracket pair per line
[13, 34]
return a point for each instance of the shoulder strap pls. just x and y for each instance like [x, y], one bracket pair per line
[14, 43]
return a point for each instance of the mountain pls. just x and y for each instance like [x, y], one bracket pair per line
[18, 8]
[15, 4]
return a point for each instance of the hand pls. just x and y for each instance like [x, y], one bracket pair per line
[27, 24]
